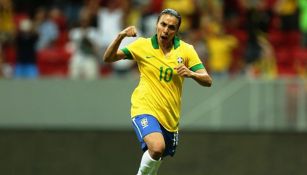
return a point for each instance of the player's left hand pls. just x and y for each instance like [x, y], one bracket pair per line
[183, 71]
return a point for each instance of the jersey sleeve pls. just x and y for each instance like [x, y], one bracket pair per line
[131, 48]
[194, 63]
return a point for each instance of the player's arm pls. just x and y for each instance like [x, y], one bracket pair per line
[201, 76]
[112, 53]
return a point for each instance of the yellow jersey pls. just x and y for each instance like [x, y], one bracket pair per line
[159, 90]
[221, 49]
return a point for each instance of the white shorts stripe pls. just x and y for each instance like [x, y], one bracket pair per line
[137, 127]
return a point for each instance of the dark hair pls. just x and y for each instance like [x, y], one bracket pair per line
[171, 12]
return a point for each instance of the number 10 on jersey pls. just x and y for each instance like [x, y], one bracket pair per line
[166, 75]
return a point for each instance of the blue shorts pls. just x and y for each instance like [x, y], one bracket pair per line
[145, 124]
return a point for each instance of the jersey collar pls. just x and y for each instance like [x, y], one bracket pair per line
[155, 45]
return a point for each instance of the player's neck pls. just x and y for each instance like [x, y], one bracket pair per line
[166, 47]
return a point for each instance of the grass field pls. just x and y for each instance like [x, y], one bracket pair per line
[67, 152]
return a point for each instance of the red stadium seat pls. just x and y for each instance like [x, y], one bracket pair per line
[241, 35]
[300, 55]
[283, 39]
[9, 54]
[62, 39]
[18, 17]
[276, 38]
[292, 39]
[285, 62]
[53, 62]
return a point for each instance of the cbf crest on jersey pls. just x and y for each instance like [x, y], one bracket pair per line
[144, 122]
[180, 60]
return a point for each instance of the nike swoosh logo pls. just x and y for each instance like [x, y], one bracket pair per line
[149, 56]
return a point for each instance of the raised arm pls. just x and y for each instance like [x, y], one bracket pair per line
[201, 76]
[112, 53]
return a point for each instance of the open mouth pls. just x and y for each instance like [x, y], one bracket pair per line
[164, 37]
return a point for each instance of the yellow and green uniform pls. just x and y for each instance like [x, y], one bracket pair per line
[159, 90]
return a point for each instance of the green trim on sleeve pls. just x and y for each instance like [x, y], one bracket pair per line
[127, 53]
[197, 67]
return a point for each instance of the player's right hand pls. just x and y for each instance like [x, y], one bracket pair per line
[129, 32]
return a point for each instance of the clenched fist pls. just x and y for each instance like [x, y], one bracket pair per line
[183, 71]
[129, 32]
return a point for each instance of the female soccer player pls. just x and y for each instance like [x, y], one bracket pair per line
[163, 61]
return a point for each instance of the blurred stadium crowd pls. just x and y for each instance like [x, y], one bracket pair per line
[66, 38]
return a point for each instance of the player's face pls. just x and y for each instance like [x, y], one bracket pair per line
[167, 28]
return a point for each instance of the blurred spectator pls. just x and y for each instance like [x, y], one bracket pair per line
[248, 20]
[57, 16]
[92, 6]
[196, 39]
[149, 10]
[300, 62]
[257, 21]
[253, 49]
[258, 16]
[303, 21]
[232, 14]
[212, 9]
[110, 22]
[25, 51]
[220, 47]
[186, 8]
[7, 26]
[132, 12]
[7, 60]
[84, 63]
[263, 63]
[7, 29]
[71, 10]
[47, 29]
[287, 11]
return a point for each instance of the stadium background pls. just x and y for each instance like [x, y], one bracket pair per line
[253, 120]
